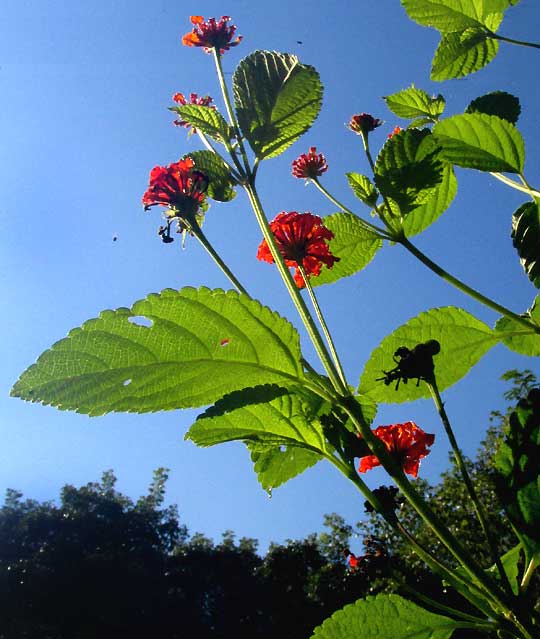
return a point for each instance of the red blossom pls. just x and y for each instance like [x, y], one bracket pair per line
[354, 560]
[301, 239]
[177, 186]
[211, 34]
[407, 442]
[309, 165]
[364, 123]
[180, 99]
[396, 130]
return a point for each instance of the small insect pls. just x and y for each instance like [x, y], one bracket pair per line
[114, 238]
[413, 364]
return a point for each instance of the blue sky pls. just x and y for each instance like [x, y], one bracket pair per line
[85, 90]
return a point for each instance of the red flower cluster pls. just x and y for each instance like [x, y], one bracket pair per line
[406, 442]
[177, 186]
[180, 99]
[301, 239]
[354, 560]
[364, 123]
[211, 34]
[396, 130]
[309, 165]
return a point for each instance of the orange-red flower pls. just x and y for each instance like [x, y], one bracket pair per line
[211, 34]
[301, 239]
[396, 130]
[364, 123]
[407, 442]
[177, 186]
[309, 165]
[180, 99]
[354, 560]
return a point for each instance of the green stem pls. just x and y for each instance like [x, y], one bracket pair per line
[238, 177]
[197, 232]
[523, 43]
[296, 297]
[457, 582]
[490, 588]
[465, 288]
[382, 233]
[533, 565]
[516, 185]
[479, 509]
[323, 325]
[228, 106]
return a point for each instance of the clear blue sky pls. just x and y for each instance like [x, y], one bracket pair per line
[85, 89]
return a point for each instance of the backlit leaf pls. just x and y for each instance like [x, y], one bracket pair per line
[517, 337]
[352, 243]
[275, 465]
[455, 15]
[175, 349]
[415, 103]
[462, 53]
[464, 340]
[526, 239]
[385, 617]
[220, 180]
[277, 99]
[206, 119]
[363, 188]
[479, 141]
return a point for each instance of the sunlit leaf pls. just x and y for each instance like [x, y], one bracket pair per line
[275, 465]
[462, 53]
[517, 337]
[415, 103]
[480, 141]
[363, 188]
[352, 243]
[455, 15]
[175, 349]
[463, 338]
[385, 617]
[220, 180]
[206, 119]
[277, 99]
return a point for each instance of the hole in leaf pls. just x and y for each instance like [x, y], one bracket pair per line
[127, 382]
[140, 320]
[283, 449]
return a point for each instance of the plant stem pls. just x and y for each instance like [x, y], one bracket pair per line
[516, 185]
[210, 148]
[382, 233]
[228, 106]
[479, 509]
[406, 243]
[533, 565]
[496, 36]
[296, 297]
[323, 325]
[197, 232]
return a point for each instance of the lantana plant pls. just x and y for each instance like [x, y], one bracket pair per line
[226, 350]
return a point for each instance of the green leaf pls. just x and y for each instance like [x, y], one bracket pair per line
[385, 617]
[455, 15]
[464, 340]
[268, 415]
[275, 465]
[408, 169]
[462, 53]
[510, 564]
[220, 180]
[277, 99]
[499, 103]
[352, 243]
[424, 215]
[518, 473]
[205, 118]
[526, 239]
[363, 188]
[175, 349]
[516, 336]
[415, 103]
[480, 141]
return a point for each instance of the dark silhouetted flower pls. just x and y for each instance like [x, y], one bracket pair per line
[309, 165]
[364, 123]
[180, 99]
[178, 187]
[301, 239]
[407, 443]
[211, 34]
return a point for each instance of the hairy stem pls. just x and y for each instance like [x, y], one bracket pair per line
[522, 43]
[516, 185]
[323, 325]
[478, 507]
